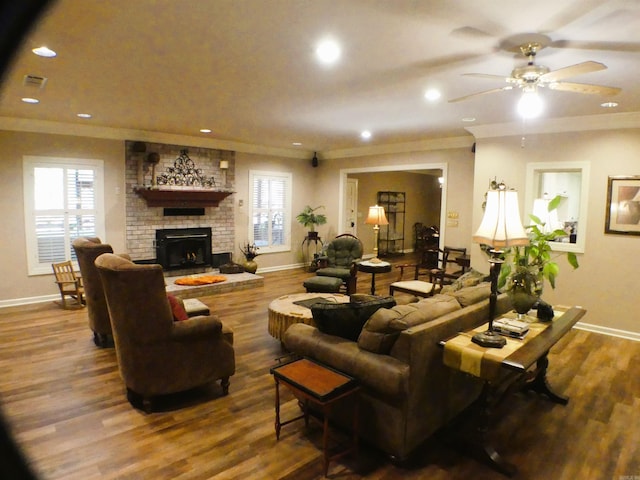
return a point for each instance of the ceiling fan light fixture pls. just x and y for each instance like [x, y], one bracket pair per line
[530, 105]
[609, 104]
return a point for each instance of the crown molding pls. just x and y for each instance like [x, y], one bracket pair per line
[611, 121]
[406, 147]
[109, 133]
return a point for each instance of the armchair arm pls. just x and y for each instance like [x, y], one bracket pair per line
[197, 327]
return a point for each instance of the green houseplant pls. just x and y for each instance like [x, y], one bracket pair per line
[525, 269]
[309, 218]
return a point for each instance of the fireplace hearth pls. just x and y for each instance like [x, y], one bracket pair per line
[183, 248]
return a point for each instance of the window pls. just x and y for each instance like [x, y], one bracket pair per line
[270, 216]
[570, 180]
[63, 200]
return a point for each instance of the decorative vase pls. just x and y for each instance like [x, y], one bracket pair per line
[524, 289]
[250, 266]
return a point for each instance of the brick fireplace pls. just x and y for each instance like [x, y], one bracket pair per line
[142, 221]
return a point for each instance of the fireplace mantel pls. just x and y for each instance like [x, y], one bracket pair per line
[172, 197]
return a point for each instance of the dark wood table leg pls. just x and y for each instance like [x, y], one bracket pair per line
[477, 444]
[540, 385]
[325, 438]
[373, 283]
[278, 425]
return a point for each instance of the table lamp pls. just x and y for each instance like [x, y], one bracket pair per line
[500, 227]
[376, 218]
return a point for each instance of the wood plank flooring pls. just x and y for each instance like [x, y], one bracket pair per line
[65, 404]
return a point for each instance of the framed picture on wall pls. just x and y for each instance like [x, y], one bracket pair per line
[623, 205]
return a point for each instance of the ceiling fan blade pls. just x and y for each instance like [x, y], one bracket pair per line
[605, 46]
[572, 71]
[584, 88]
[487, 75]
[493, 90]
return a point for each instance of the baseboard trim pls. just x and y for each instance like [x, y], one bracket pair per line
[612, 332]
[14, 302]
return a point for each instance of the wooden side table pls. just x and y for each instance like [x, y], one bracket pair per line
[373, 268]
[323, 386]
[521, 363]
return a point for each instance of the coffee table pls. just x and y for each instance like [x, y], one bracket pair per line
[283, 312]
[310, 381]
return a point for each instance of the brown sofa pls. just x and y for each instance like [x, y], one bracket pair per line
[407, 392]
[157, 355]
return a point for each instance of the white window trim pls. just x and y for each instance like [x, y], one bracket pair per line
[287, 226]
[29, 163]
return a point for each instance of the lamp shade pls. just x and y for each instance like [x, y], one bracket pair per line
[549, 218]
[376, 216]
[501, 225]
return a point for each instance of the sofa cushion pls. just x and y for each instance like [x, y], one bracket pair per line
[346, 319]
[382, 329]
[469, 279]
[470, 295]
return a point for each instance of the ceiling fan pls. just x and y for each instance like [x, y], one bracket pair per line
[531, 76]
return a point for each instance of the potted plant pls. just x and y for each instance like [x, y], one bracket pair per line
[526, 268]
[309, 218]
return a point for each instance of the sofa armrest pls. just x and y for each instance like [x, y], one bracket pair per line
[197, 327]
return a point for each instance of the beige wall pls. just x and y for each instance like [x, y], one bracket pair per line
[605, 282]
[14, 281]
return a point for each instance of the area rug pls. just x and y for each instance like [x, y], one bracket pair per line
[193, 281]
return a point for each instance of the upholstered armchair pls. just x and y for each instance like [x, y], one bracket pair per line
[340, 260]
[157, 355]
[87, 250]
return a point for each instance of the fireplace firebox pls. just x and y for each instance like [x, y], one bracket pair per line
[183, 247]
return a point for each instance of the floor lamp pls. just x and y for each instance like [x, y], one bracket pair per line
[500, 227]
[376, 218]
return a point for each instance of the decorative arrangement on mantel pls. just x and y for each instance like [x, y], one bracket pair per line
[183, 178]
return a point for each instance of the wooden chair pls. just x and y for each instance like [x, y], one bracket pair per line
[69, 283]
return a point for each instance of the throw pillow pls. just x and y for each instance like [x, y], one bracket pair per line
[470, 295]
[469, 279]
[177, 308]
[346, 319]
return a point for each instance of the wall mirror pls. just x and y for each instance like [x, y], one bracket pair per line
[570, 180]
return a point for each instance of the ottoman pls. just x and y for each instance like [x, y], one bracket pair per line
[323, 284]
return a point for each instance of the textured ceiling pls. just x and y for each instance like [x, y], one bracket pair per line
[246, 68]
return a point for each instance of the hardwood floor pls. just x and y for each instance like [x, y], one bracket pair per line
[66, 406]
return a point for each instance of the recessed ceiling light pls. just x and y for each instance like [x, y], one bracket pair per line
[609, 105]
[365, 134]
[328, 51]
[84, 115]
[469, 119]
[44, 52]
[205, 130]
[432, 94]
[30, 100]
[296, 144]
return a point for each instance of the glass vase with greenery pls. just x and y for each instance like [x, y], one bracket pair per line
[525, 269]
